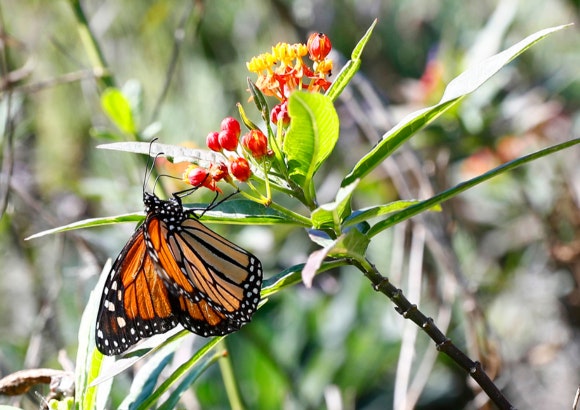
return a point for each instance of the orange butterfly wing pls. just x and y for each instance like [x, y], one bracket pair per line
[212, 277]
[175, 270]
[135, 301]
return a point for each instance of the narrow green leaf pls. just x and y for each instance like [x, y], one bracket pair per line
[143, 384]
[181, 371]
[456, 190]
[291, 276]
[89, 360]
[244, 212]
[311, 138]
[362, 215]
[90, 223]
[118, 109]
[351, 67]
[247, 122]
[259, 98]
[175, 153]
[462, 85]
[185, 384]
[147, 348]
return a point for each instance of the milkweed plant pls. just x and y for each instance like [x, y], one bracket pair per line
[272, 149]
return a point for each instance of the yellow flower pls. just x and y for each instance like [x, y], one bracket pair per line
[263, 62]
[283, 71]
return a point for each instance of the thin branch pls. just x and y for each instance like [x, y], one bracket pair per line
[71, 77]
[443, 344]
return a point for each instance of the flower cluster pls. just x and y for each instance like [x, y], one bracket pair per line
[279, 74]
[227, 141]
[283, 71]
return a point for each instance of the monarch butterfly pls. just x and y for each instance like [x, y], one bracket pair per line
[174, 270]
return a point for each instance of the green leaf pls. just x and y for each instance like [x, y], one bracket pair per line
[186, 367]
[291, 276]
[237, 211]
[185, 384]
[464, 84]
[175, 153]
[311, 138]
[247, 122]
[118, 109]
[362, 215]
[143, 384]
[148, 348]
[330, 215]
[259, 100]
[89, 360]
[351, 67]
[90, 223]
[456, 190]
[244, 212]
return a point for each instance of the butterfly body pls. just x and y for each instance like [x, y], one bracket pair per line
[174, 270]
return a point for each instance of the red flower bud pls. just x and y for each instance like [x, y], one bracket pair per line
[280, 111]
[196, 176]
[240, 169]
[232, 125]
[228, 140]
[256, 143]
[212, 141]
[318, 46]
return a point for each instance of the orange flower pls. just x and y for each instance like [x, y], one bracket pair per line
[284, 71]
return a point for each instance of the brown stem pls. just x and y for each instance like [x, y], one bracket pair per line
[443, 343]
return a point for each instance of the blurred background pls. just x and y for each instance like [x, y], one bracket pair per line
[498, 269]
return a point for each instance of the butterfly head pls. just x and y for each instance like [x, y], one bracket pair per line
[156, 206]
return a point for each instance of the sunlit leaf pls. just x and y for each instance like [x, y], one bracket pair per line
[118, 109]
[311, 138]
[464, 84]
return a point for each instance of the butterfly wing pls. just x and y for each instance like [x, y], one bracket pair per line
[175, 270]
[212, 277]
[202, 319]
[135, 303]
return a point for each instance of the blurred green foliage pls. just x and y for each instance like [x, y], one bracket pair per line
[500, 266]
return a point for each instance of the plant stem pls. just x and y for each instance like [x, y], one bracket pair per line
[96, 56]
[444, 344]
[230, 382]
[304, 221]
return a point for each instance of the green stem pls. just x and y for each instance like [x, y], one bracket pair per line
[95, 55]
[230, 382]
[303, 220]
